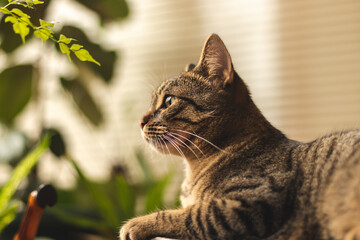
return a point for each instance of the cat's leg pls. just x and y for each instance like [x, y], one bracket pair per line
[159, 224]
[217, 219]
[341, 204]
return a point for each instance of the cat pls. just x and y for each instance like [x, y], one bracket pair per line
[244, 178]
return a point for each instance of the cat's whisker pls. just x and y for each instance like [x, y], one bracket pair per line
[159, 140]
[190, 142]
[173, 143]
[195, 135]
[186, 139]
[177, 140]
[164, 143]
[183, 143]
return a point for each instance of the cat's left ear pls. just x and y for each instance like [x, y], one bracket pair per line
[189, 67]
[216, 60]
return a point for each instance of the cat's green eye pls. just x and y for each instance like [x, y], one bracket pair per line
[169, 100]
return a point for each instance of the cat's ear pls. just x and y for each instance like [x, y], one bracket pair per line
[216, 60]
[189, 67]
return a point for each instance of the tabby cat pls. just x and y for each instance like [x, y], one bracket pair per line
[244, 178]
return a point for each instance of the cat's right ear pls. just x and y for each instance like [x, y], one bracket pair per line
[216, 61]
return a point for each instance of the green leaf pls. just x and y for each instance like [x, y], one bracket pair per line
[22, 29]
[19, 13]
[65, 49]
[65, 39]
[15, 91]
[84, 55]
[83, 100]
[9, 41]
[9, 213]
[11, 19]
[26, 20]
[107, 58]
[76, 47]
[36, 2]
[43, 33]
[20, 26]
[125, 197]
[20, 172]
[27, 4]
[46, 24]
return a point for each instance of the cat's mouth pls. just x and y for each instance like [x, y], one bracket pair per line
[182, 143]
[159, 141]
[176, 142]
[154, 140]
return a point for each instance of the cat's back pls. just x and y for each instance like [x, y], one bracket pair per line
[320, 158]
[334, 145]
[321, 164]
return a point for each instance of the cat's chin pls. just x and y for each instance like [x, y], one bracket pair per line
[157, 146]
[160, 149]
[164, 147]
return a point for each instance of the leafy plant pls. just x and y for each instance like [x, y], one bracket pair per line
[19, 84]
[19, 13]
[8, 206]
[97, 208]
[21, 25]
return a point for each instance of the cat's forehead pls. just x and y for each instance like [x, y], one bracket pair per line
[186, 84]
[168, 85]
[182, 82]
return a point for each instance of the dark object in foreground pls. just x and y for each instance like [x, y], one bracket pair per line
[44, 196]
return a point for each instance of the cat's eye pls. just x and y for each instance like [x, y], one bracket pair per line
[169, 100]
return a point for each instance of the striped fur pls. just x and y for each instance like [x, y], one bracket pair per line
[244, 178]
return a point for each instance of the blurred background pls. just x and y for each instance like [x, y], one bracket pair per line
[300, 59]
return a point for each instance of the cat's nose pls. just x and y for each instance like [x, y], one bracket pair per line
[142, 123]
[145, 119]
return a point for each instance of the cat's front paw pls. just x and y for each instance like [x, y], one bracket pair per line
[135, 229]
